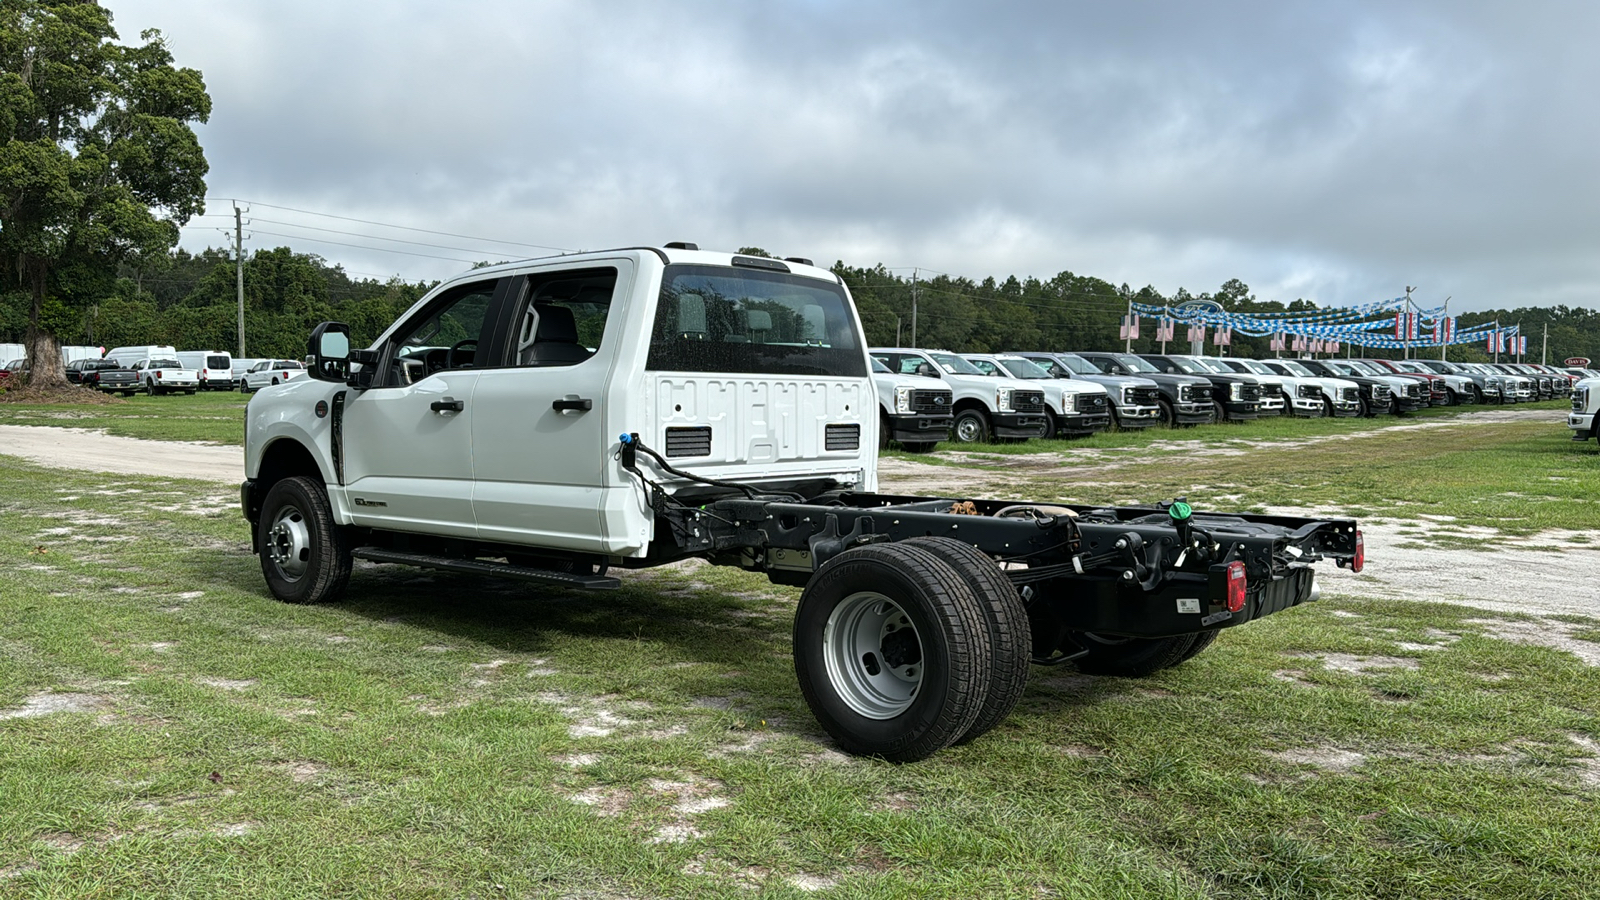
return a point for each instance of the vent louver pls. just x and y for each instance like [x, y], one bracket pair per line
[843, 437]
[689, 441]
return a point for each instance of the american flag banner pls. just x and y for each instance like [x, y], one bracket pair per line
[1197, 334]
[1223, 337]
[1130, 328]
[1298, 344]
[1333, 346]
[1277, 342]
[1165, 329]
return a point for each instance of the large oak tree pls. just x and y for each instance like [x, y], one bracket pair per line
[98, 166]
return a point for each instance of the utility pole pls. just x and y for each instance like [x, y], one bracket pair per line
[238, 268]
[914, 309]
[1127, 329]
[1544, 352]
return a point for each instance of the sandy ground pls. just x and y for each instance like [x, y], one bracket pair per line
[78, 448]
[1521, 575]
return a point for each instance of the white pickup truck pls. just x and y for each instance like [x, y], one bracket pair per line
[551, 420]
[1584, 420]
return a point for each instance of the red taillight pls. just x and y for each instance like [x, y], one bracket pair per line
[158, 373]
[1359, 561]
[1236, 586]
[286, 376]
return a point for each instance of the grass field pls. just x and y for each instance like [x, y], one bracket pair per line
[166, 729]
[208, 416]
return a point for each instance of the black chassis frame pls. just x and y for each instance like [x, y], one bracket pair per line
[1120, 571]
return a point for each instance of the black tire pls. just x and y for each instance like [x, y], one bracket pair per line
[862, 707]
[150, 388]
[1219, 413]
[971, 426]
[1366, 409]
[1132, 657]
[307, 560]
[1327, 407]
[1169, 415]
[1050, 431]
[1010, 637]
[918, 446]
[274, 382]
[1202, 640]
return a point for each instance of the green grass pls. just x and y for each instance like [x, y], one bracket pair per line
[1520, 477]
[447, 736]
[208, 416]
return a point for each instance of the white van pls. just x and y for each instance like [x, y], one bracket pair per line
[130, 355]
[214, 368]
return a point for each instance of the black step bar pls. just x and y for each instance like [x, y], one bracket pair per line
[479, 567]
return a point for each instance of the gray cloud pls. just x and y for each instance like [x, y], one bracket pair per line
[1335, 152]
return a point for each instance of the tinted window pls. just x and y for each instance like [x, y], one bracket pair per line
[164, 363]
[216, 362]
[725, 319]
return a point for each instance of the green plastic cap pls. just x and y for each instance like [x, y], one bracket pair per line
[1179, 510]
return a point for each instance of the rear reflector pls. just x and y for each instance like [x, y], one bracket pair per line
[1359, 561]
[1236, 586]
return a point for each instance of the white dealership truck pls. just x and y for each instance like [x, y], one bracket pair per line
[553, 420]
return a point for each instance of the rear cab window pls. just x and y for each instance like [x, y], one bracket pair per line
[734, 320]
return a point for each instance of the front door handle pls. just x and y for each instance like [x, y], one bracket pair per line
[572, 405]
[448, 404]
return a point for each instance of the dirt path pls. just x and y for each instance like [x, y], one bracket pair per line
[78, 448]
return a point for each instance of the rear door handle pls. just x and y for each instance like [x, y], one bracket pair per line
[448, 404]
[572, 405]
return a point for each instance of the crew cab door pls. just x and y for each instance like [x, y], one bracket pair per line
[407, 439]
[540, 437]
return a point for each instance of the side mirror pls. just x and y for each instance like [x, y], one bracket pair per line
[329, 349]
[927, 371]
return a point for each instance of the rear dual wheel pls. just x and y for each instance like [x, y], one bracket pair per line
[903, 649]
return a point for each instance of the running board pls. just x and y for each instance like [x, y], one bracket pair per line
[479, 567]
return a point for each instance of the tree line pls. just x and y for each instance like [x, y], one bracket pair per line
[190, 301]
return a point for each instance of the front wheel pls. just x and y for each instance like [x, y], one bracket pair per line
[1050, 431]
[1169, 416]
[305, 554]
[971, 427]
[1327, 408]
[892, 652]
[1219, 413]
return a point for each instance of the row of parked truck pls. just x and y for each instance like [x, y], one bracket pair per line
[928, 396]
[156, 370]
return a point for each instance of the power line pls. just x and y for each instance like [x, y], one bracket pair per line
[467, 237]
[361, 247]
[375, 237]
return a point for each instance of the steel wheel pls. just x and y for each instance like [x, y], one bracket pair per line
[873, 655]
[288, 543]
[971, 427]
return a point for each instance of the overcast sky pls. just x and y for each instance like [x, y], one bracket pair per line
[1332, 151]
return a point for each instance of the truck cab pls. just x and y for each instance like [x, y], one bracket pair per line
[490, 409]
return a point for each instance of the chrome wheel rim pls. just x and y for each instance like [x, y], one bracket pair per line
[289, 543]
[873, 655]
